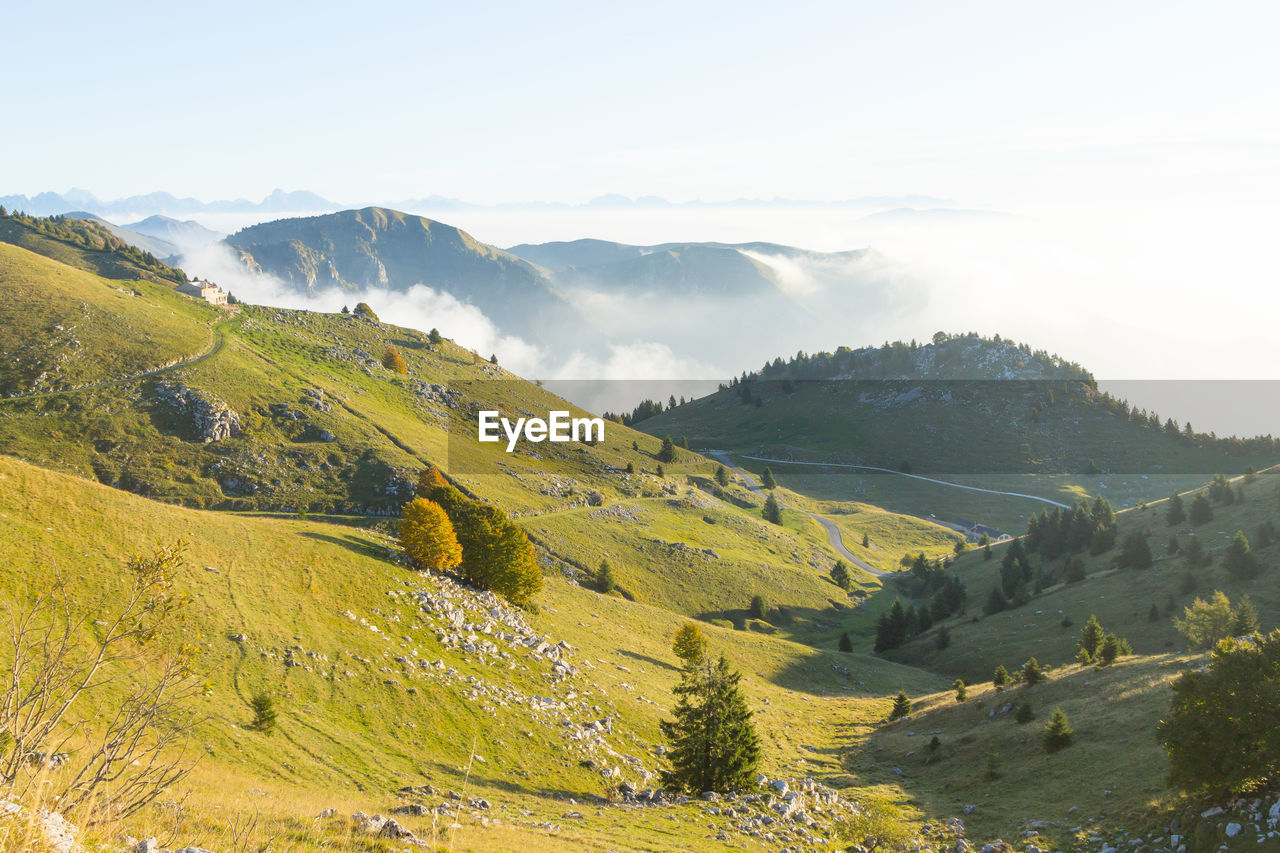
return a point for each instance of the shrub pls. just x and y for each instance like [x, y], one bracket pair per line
[1057, 734]
[363, 310]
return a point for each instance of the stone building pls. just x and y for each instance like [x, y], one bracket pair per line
[206, 290]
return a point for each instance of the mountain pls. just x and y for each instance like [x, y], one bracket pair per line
[185, 234]
[52, 203]
[156, 245]
[779, 297]
[355, 250]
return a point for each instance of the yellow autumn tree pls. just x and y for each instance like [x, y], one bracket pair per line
[392, 360]
[427, 535]
[689, 644]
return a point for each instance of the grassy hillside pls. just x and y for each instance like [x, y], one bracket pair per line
[357, 723]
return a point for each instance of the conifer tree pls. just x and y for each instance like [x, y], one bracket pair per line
[901, 707]
[846, 642]
[962, 691]
[1057, 734]
[604, 577]
[1000, 677]
[866, 541]
[1239, 560]
[714, 745]
[1244, 619]
[1201, 510]
[264, 712]
[1136, 553]
[1176, 513]
[1024, 714]
[667, 453]
[766, 479]
[840, 574]
[722, 475]
[434, 336]
[1032, 674]
[772, 512]
[758, 609]
[1091, 637]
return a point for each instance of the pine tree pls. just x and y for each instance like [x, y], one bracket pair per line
[1024, 713]
[1173, 547]
[866, 541]
[996, 602]
[758, 609]
[1239, 560]
[264, 713]
[840, 574]
[1112, 647]
[1136, 553]
[684, 439]
[689, 644]
[901, 707]
[1175, 514]
[667, 454]
[428, 537]
[1032, 674]
[1091, 637]
[944, 639]
[1244, 619]
[1201, 510]
[434, 336]
[714, 745]
[1057, 734]
[1153, 615]
[722, 475]
[493, 358]
[1000, 677]
[346, 310]
[604, 577]
[772, 512]
[766, 480]
[631, 467]
[962, 691]
[846, 642]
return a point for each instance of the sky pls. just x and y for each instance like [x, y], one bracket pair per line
[992, 104]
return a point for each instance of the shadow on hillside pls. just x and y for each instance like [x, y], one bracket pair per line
[351, 543]
[508, 785]
[649, 660]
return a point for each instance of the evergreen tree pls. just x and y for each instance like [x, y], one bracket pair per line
[1032, 674]
[1000, 678]
[1024, 713]
[667, 453]
[996, 602]
[962, 691]
[604, 577]
[346, 310]
[766, 480]
[758, 609]
[714, 745]
[493, 358]
[1176, 513]
[1173, 547]
[631, 467]
[722, 475]
[866, 541]
[434, 336]
[1239, 560]
[684, 439]
[1136, 553]
[1057, 734]
[1153, 615]
[846, 642]
[840, 574]
[1244, 619]
[1201, 510]
[1073, 571]
[944, 639]
[264, 713]
[901, 707]
[1112, 647]
[1091, 637]
[689, 644]
[772, 512]
[428, 537]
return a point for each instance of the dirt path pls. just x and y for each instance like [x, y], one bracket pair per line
[833, 532]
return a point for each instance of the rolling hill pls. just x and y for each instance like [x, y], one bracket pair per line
[886, 424]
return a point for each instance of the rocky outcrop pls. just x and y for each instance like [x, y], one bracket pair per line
[210, 418]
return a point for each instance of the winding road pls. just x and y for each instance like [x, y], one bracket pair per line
[833, 532]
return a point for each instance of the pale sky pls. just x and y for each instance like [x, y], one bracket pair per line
[1008, 104]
